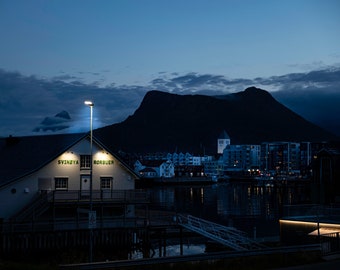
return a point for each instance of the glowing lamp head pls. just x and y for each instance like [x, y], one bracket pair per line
[89, 103]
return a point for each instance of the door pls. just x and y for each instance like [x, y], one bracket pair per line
[85, 185]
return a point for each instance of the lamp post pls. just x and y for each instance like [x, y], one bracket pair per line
[90, 104]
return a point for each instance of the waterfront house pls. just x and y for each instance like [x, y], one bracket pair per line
[189, 171]
[58, 177]
[148, 173]
[155, 168]
[187, 159]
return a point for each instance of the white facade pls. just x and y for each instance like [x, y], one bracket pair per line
[65, 173]
[180, 159]
[161, 168]
[167, 169]
[196, 161]
[222, 142]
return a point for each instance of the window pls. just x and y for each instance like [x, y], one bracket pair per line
[105, 182]
[85, 161]
[61, 183]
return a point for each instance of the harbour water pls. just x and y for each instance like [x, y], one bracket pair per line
[254, 208]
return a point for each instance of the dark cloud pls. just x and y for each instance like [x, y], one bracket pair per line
[25, 101]
[58, 122]
[91, 73]
[198, 83]
[65, 78]
[315, 96]
[317, 79]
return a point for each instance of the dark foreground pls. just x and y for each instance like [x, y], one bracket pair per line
[262, 262]
[301, 258]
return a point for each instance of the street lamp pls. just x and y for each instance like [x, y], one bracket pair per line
[90, 104]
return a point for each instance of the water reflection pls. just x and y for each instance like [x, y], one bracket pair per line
[248, 207]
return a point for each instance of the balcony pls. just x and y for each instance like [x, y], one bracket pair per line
[68, 209]
[98, 196]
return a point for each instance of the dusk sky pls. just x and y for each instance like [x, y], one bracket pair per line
[56, 53]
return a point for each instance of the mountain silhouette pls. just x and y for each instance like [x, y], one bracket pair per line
[172, 122]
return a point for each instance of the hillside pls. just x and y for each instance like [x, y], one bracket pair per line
[171, 122]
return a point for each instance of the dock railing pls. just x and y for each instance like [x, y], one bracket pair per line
[33, 218]
[228, 236]
[312, 210]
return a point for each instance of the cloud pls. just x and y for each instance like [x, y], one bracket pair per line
[312, 66]
[25, 101]
[58, 122]
[199, 83]
[65, 78]
[314, 95]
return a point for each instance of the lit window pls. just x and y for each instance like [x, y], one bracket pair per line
[105, 182]
[85, 161]
[61, 183]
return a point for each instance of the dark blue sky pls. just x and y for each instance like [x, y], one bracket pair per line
[56, 54]
[133, 41]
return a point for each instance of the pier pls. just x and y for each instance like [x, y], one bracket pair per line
[228, 236]
[208, 258]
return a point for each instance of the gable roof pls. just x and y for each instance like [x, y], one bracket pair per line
[99, 143]
[329, 152]
[21, 156]
[224, 135]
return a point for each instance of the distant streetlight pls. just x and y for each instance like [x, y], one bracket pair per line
[90, 104]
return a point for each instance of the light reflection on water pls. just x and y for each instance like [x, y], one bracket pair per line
[248, 207]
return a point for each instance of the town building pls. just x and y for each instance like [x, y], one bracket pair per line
[281, 158]
[38, 172]
[189, 171]
[168, 165]
[187, 159]
[213, 168]
[222, 142]
[242, 157]
[154, 168]
[306, 157]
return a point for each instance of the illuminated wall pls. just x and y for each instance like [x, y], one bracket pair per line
[21, 192]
